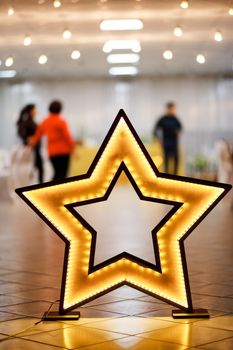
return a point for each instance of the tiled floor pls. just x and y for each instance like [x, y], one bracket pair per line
[30, 272]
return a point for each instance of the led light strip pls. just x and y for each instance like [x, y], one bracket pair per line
[57, 204]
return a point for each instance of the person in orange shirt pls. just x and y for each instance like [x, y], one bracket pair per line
[60, 143]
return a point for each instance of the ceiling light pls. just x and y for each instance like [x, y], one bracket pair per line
[218, 36]
[57, 4]
[9, 61]
[178, 31]
[10, 11]
[67, 34]
[42, 59]
[123, 70]
[123, 58]
[184, 4]
[75, 55]
[200, 58]
[121, 24]
[168, 55]
[133, 45]
[7, 74]
[230, 11]
[27, 40]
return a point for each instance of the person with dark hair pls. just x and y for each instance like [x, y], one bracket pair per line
[60, 143]
[170, 126]
[26, 127]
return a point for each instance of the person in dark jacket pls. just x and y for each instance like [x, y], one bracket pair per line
[170, 126]
[26, 128]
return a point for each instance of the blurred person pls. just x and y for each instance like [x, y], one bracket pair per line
[26, 127]
[170, 126]
[224, 151]
[60, 143]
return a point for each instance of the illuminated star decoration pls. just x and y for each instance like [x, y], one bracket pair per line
[123, 151]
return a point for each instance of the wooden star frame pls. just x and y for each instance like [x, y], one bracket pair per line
[123, 151]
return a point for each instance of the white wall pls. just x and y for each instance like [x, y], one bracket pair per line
[204, 104]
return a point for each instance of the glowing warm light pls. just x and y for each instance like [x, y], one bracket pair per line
[27, 40]
[67, 34]
[168, 55]
[184, 4]
[9, 61]
[218, 36]
[42, 59]
[57, 4]
[57, 204]
[11, 11]
[123, 58]
[200, 58]
[111, 45]
[123, 70]
[230, 11]
[75, 55]
[178, 31]
[121, 24]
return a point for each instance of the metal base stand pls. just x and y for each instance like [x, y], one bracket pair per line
[196, 313]
[55, 316]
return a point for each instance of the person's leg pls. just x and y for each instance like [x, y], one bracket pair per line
[176, 159]
[63, 166]
[166, 158]
[60, 166]
[176, 162]
[39, 164]
[66, 161]
[55, 164]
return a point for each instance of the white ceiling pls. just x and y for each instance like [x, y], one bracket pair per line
[45, 24]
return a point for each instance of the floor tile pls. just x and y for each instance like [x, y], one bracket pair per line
[222, 322]
[5, 316]
[74, 337]
[226, 344]
[86, 320]
[33, 279]
[10, 287]
[6, 300]
[36, 308]
[22, 344]
[166, 313]
[126, 293]
[26, 326]
[42, 294]
[128, 307]
[135, 343]
[215, 290]
[189, 335]
[105, 299]
[219, 303]
[2, 336]
[131, 325]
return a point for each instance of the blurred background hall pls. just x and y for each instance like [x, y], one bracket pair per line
[96, 57]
